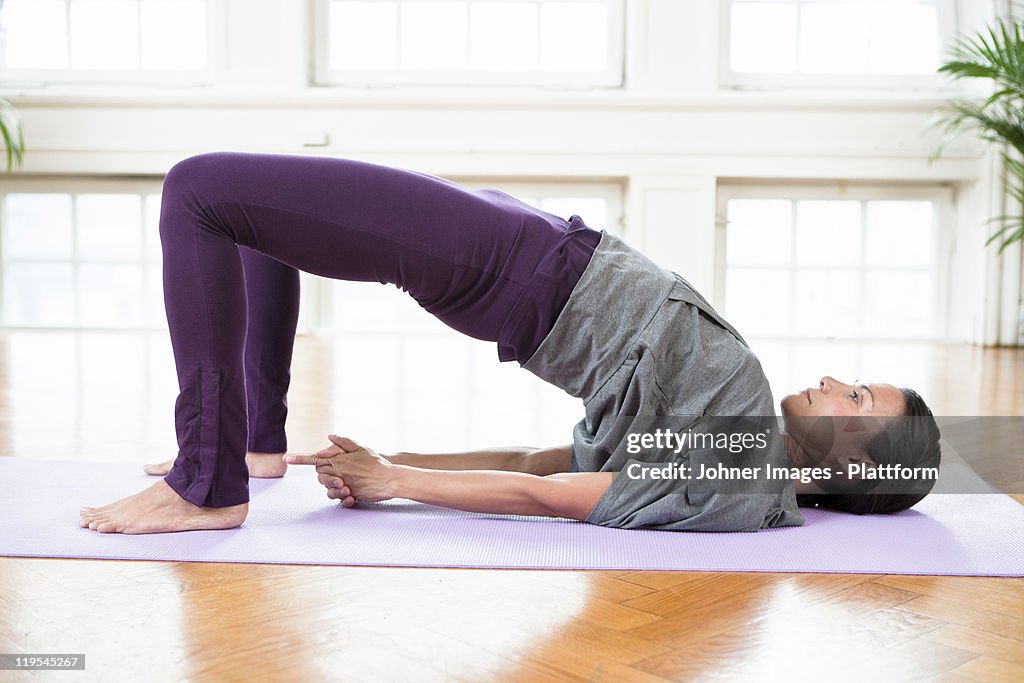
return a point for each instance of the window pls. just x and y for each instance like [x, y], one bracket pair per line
[458, 42]
[834, 43]
[99, 41]
[441, 376]
[861, 264]
[89, 258]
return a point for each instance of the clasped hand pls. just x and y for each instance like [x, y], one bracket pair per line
[349, 471]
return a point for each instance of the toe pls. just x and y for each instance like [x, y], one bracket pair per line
[158, 468]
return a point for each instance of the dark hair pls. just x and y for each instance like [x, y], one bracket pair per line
[910, 440]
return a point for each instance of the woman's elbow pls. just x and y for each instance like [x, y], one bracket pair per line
[575, 495]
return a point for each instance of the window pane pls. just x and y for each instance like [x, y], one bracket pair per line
[433, 35]
[503, 35]
[834, 38]
[904, 39]
[828, 233]
[365, 305]
[862, 269]
[111, 296]
[763, 36]
[561, 25]
[39, 295]
[757, 301]
[363, 35]
[359, 306]
[759, 232]
[173, 34]
[152, 229]
[827, 303]
[109, 227]
[37, 226]
[899, 304]
[36, 34]
[154, 299]
[900, 234]
[104, 34]
[483, 36]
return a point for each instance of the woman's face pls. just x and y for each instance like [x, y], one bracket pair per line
[834, 398]
[836, 420]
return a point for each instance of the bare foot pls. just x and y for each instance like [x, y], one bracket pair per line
[261, 466]
[159, 509]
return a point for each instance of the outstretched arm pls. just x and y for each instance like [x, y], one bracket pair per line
[539, 461]
[358, 474]
[570, 495]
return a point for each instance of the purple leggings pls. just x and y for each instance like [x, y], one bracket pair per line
[482, 262]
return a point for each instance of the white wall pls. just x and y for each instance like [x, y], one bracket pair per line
[669, 136]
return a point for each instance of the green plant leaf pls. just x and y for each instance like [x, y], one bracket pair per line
[1014, 237]
[11, 134]
[9, 144]
[996, 53]
[1011, 223]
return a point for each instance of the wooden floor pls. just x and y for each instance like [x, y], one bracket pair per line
[169, 621]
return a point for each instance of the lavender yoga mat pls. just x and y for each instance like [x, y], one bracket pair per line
[292, 522]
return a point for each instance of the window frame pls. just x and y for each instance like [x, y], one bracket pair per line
[732, 80]
[942, 195]
[216, 25]
[324, 76]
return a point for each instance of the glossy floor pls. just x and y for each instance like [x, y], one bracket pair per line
[107, 397]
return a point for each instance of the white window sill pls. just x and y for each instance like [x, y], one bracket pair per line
[475, 98]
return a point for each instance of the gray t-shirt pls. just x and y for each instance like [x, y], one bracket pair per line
[646, 352]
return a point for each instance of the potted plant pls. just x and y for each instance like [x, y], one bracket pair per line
[10, 133]
[996, 54]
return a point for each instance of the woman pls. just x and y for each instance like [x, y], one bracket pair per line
[576, 307]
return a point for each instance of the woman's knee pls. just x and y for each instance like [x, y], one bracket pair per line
[184, 194]
[192, 173]
[190, 186]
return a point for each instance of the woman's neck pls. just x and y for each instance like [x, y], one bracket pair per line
[797, 457]
[794, 452]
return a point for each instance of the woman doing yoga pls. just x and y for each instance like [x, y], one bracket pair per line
[578, 308]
